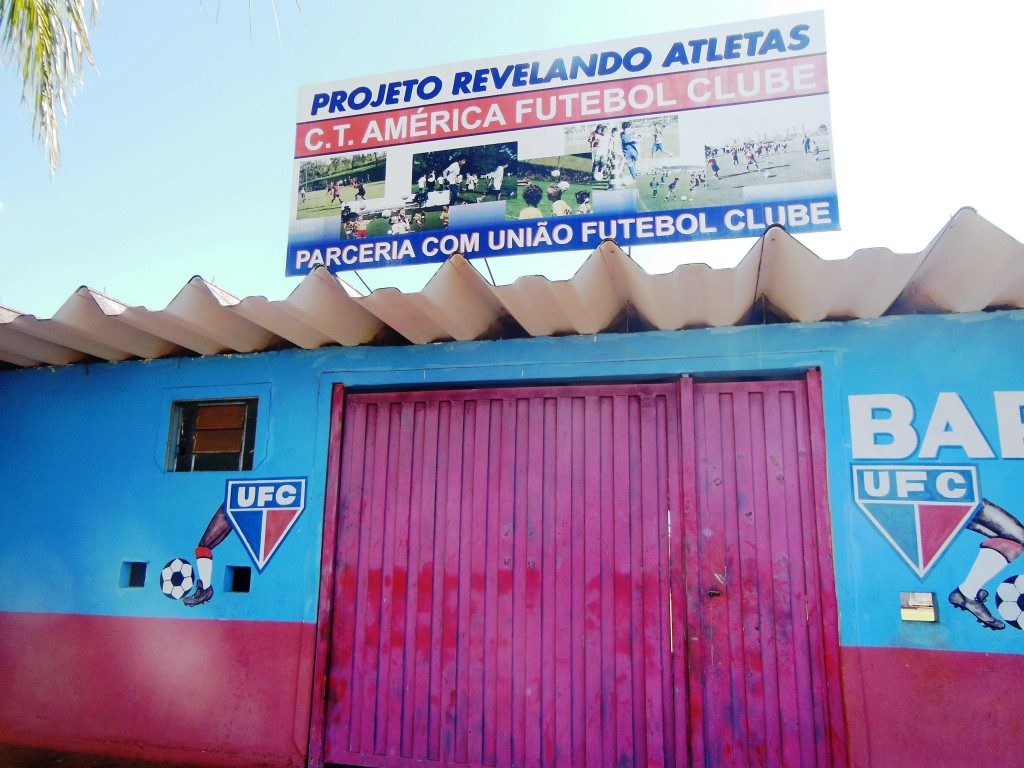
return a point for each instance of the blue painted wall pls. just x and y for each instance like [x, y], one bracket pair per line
[83, 478]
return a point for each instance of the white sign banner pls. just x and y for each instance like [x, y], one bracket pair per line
[719, 132]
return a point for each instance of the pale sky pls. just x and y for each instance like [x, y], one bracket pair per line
[178, 150]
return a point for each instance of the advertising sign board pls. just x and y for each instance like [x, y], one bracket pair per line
[713, 133]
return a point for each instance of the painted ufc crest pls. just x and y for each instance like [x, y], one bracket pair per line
[263, 511]
[919, 509]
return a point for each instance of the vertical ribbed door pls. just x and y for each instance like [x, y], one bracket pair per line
[502, 579]
[763, 657]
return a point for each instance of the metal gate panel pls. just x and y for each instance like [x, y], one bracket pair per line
[762, 599]
[501, 589]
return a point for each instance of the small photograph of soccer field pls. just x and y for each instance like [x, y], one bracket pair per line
[596, 159]
[656, 140]
[554, 186]
[326, 184]
[465, 175]
[399, 221]
[744, 152]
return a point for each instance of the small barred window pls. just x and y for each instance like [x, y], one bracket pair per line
[213, 435]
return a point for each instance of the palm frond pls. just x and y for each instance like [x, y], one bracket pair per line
[47, 41]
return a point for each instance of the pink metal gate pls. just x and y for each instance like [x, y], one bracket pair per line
[499, 597]
[763, 656]
[522, 576]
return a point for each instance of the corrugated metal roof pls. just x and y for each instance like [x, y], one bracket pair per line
[970, 265]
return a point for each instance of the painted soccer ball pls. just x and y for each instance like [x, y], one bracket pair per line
[176, 579]
[1010, 601]
[598, 175]
[556, 173]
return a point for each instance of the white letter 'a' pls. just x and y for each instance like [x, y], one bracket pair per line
[884, 414]
[952, 425]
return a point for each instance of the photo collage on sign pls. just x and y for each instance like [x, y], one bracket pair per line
[661, 163]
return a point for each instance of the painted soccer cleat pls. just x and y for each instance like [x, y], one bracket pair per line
[203, 594]
[976, 607]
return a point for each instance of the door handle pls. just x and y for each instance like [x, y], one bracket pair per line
[714, 592]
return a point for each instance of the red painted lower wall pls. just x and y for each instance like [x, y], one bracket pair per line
[232, 693]
[931, 709]
[204, 691]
